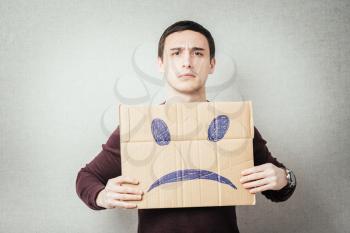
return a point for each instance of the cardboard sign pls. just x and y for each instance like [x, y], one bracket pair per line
[188, 154]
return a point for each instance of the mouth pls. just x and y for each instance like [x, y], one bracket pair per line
[186, 75]
[190, 174]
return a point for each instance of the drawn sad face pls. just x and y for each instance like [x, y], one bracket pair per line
[188, 154]
[216, 131]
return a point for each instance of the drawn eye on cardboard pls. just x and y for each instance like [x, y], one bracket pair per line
[216, 131]
[160, 132]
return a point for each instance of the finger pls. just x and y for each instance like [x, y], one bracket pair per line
[116, 188]
[255, 169]
[256, 183]
[126, 180]
[124, 189]
[123, 204]
[251, 177]
[124, 197]
[260, 189]
[113, 187]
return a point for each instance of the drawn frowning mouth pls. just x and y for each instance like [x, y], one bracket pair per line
[190, 174]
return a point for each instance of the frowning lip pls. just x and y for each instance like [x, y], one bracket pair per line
[186, 75]
[190, 174]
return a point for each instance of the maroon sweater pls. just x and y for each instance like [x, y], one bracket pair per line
[106, 165]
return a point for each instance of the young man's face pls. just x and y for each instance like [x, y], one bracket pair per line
[186, 61]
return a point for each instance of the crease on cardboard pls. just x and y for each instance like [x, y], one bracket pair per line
[217, 159]
[200, 158]
[129, 125]
[251, 121]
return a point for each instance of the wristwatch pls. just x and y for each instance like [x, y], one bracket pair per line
[291, 179]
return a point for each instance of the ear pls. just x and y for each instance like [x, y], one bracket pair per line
[212, 65]
[160, 65]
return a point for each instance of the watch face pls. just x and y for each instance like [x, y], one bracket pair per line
[292, 179]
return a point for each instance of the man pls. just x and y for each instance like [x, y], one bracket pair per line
[186, 55]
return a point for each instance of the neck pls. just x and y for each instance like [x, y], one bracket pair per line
[173, 96]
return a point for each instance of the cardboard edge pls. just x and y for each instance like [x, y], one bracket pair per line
[124, 123]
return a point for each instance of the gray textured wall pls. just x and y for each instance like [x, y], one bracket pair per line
[59, 65]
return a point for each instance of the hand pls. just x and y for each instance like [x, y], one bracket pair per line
[264, 177]
[114, 195]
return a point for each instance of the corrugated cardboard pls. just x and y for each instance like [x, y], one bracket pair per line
[177, 163]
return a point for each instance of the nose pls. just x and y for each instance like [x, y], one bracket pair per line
[187, 60]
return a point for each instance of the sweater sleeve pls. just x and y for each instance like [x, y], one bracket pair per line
[262, 155]
[92, 178]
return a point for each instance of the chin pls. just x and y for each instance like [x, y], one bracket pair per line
[187, 88]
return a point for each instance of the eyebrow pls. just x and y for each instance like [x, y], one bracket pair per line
[193, 48]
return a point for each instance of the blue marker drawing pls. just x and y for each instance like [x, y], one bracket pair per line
[160, 132]
[190, 174]
[218, 128]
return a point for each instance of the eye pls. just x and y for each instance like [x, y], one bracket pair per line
[218, 128]
[160, 132]
[198, 53]
[175, 53]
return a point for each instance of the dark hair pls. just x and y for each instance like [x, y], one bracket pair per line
[182, 26]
